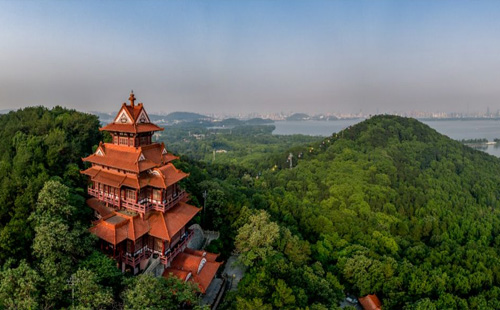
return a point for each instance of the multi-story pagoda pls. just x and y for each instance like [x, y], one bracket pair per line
[141, 209]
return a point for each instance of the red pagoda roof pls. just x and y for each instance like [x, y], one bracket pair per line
[134, 159]
[166, 225]
[116, 226]
[159, 177]
[131, 119]
[99, 207]
[197, 266]
[131, 128]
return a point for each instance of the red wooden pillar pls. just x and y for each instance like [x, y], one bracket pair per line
[163, 247]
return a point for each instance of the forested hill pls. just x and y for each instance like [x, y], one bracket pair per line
[392, 207]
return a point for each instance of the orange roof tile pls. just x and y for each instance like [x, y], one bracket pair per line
[185, 261]
[178, 216]
[99, 207]
[127, 158]
[119, 227]
[137, 228]
[190, 262]
[110, 231]
[370, 302]
[131, 128]
[206, 275]
[209, 256]
[165, 225]
[132, 121]
[112, 178]
[181, 274]
[158, 226]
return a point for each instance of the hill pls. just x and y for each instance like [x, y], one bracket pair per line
[298, 117]
[388, 206]
[184, 117]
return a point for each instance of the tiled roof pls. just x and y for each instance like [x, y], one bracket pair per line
[181, 274]
[189, 262]
[132, 125]
[131, 128]
[370, 302]
[127, 158]
[209, 256]
[166, 225]
[117, 226]
[112, 178]
[162, 177]
[178, 216]
[99, 207]
[158, 226]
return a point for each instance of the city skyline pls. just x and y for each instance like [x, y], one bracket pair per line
[252, 56]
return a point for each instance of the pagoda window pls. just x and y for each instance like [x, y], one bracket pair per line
[157, 195]
[115, 139]
[123, 141]
[130, 246]
[158, 245]
[143, 140]
[130, 194]
[138, 244]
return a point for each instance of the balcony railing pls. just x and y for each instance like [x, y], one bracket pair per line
[134, 259]
[167, 203]
[170, 254]
[142, 206]
[166, 259]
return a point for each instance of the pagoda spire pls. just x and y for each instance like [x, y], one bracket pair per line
[132, 98]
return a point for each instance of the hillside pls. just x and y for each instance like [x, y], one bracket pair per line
[388, 206]
[184, 117]
[297, 117]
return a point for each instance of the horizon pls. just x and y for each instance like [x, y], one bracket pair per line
[252, 56]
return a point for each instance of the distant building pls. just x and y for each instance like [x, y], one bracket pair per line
[370, 302]
[141, 210]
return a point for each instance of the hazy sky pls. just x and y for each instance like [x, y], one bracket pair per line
[245, 56]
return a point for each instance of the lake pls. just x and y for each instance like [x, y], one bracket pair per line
[455, 129]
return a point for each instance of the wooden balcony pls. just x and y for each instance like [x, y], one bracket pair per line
[169, 256]
[168, 203]
[135, 258]
[142, 206]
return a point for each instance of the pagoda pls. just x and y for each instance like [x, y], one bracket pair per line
[141, 211]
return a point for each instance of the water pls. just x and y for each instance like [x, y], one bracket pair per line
[455, 129]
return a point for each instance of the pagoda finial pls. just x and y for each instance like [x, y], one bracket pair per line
[132, 98]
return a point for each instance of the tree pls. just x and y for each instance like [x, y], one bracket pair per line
[256, 238]
[251, 304]
[59, 240]
[147, 292]
[283, 296]
[88, 293]
[104, 269]
[19, 287]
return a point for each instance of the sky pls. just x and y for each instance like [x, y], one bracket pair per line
[252, 56]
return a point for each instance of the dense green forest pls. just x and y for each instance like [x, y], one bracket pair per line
[47, 256]
[388, 206]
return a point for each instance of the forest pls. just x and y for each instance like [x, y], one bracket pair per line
[47, 256]
[388, 206]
